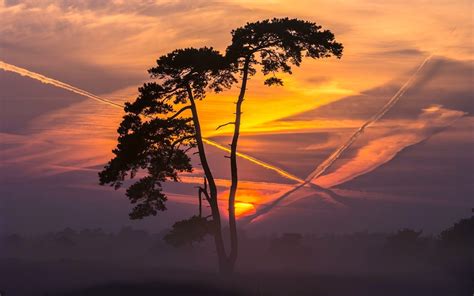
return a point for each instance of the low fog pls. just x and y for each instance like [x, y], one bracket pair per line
[135, 262]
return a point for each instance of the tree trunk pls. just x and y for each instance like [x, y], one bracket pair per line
[218, 240]
[233, 169]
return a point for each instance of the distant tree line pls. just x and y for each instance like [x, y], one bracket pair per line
[452, 250]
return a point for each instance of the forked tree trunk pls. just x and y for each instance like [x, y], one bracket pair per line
[233, 169]
[218, 240]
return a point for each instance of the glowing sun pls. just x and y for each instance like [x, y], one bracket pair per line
[244, 208]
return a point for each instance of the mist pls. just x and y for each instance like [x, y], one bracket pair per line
[96, 262]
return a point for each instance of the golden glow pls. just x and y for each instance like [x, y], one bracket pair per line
[248, 199]
[8, 67]
[264, 105]
[378, 50]
[244, 209]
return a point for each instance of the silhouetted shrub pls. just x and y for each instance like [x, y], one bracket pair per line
[187, 231]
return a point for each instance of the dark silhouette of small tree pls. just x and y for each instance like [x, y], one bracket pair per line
[273, 45]
[188, 231]
[154, 137]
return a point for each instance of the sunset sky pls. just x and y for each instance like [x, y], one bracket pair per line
[412, 168]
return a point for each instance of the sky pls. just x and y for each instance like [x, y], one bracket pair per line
[412, 167]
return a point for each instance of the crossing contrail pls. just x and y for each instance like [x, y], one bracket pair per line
[47, 80]
[332, 196]
[320, 169]
[327, 163]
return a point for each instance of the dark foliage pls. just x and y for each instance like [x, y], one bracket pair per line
[457, 243]
[154, 136]
[461, 234]
[201, 69]
[190, 230]
[280, 43]
[153, 145]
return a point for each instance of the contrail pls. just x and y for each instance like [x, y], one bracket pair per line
[278, 170]
[326, 164]
[24, 72]
[46, 80]
[261, 163]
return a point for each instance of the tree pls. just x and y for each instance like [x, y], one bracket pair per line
[460, 235]
[273, 45]
[155, 137]
[187, 231]
[457, 246]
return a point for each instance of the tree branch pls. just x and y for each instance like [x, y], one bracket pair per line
[179, 112]
[180, 140]
[206, 195]
[187, 149]
[222, 125]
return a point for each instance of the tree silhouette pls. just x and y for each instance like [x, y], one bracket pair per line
[187, 231]
[154, 137]
[457, 245]
[461, 234]
[273, 45]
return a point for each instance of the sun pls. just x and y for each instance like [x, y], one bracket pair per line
[246, 202]
[244, 208]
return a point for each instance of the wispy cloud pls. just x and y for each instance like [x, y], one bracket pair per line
[384, 148]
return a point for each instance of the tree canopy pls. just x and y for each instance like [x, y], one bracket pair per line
[280, 43]
[273, 45]
[154, 136]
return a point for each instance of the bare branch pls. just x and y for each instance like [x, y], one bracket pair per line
[206, 194]
[222, 125]
[179, 112]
